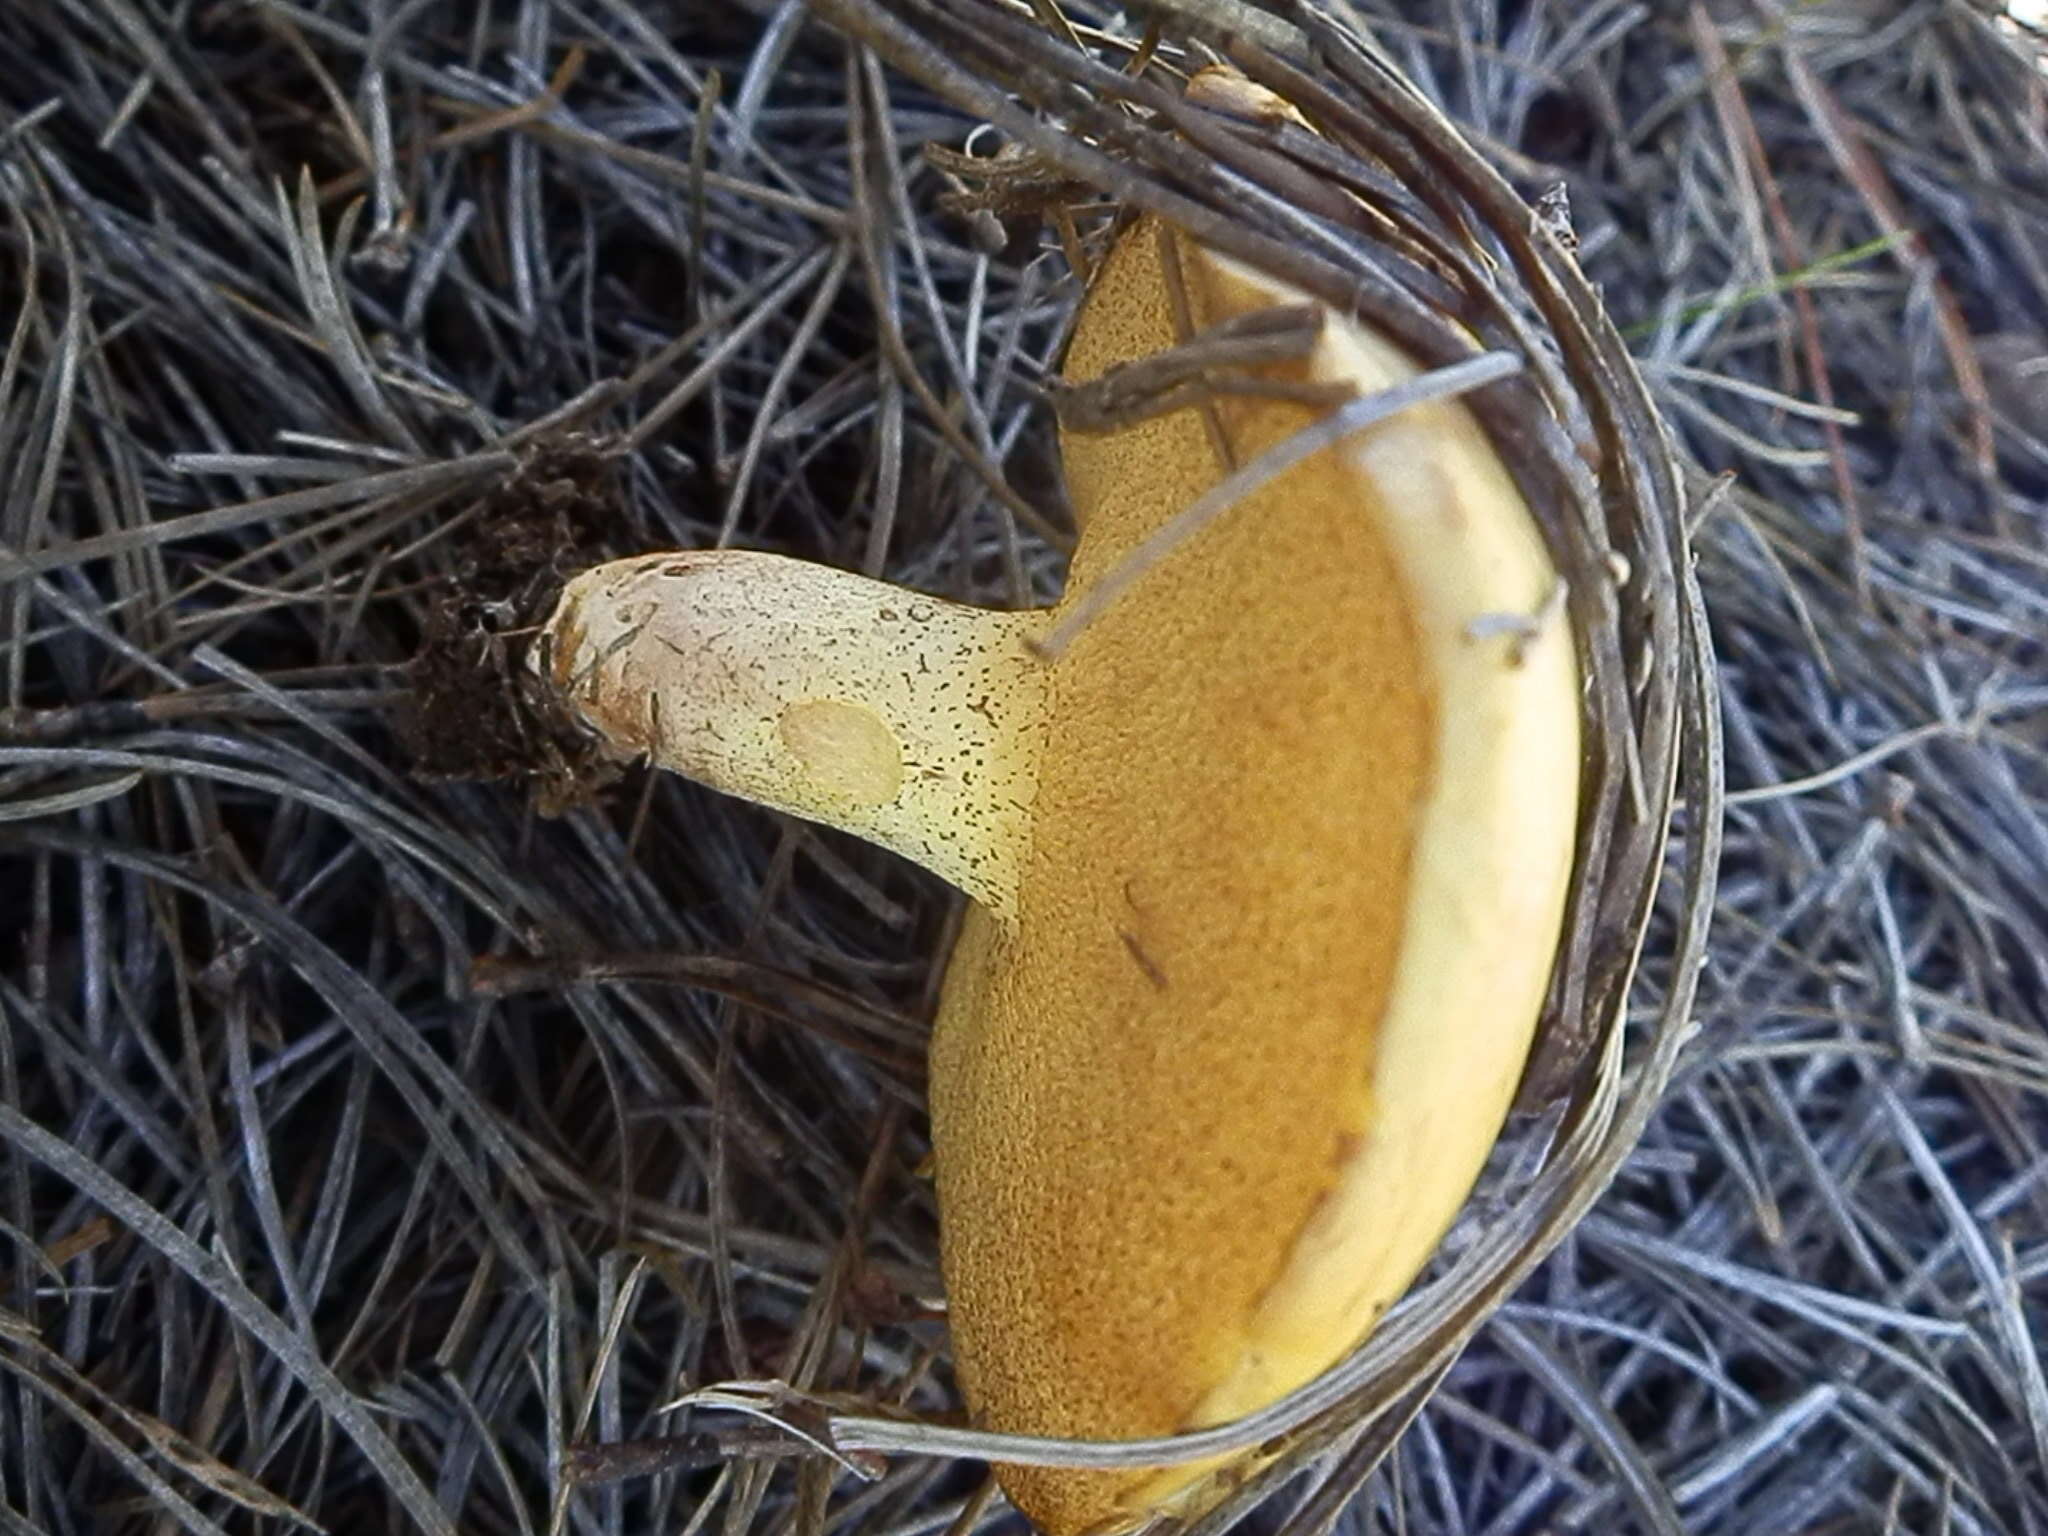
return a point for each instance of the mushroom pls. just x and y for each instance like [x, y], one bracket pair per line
[1268, 869]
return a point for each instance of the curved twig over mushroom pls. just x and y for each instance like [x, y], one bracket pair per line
[1270, 864]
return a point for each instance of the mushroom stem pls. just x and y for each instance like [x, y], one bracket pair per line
[908, 720]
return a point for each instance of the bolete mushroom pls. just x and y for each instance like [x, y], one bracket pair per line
[1268, 866]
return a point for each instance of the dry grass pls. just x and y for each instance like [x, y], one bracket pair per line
[308, 304]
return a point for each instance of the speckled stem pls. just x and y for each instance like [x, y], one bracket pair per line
[910, 721]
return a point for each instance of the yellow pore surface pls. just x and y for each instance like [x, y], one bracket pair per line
[1143, 1089]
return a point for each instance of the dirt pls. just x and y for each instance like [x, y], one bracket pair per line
[476, 712]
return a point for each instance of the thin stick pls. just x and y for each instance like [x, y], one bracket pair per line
[1437, 384]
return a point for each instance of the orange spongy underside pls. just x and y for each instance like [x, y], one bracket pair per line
[1142, 1090]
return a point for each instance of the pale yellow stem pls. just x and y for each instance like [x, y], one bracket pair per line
[908, 720]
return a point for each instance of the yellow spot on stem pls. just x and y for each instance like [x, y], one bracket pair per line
[845, 750]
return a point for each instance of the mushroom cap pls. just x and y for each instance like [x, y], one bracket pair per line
[1296, 872]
